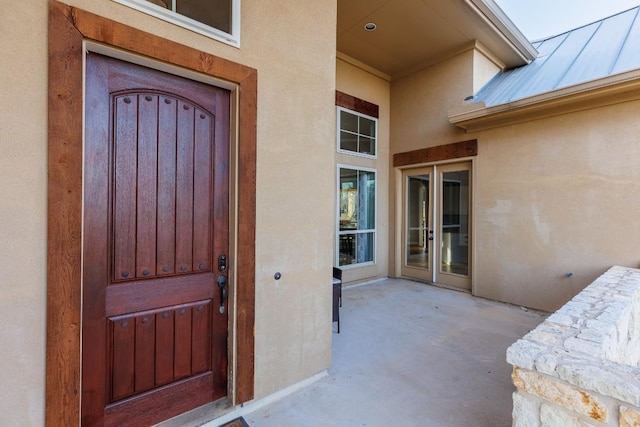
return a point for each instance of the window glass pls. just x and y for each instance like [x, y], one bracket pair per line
[366, 145]
[348, 141]
[215, 13]
[348, 121]
[357, 216]
[214, 18]
[367, 127]
[357, 133]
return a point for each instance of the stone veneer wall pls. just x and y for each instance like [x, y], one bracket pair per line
[580, 367]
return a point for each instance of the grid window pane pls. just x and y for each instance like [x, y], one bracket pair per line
[366, 145]
[367, 127]
[348, 141]
[348, 121]
[357, 133]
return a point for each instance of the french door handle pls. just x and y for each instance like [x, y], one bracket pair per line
[222, 284]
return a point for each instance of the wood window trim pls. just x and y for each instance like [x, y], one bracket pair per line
[356, 104]
[68, 28]
[439, 153]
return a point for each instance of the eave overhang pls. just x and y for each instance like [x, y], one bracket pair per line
[611, 90]
[500, 23]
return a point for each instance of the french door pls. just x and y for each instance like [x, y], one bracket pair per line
[436, 224]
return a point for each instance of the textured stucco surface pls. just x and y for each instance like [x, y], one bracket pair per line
[555, 198]
[295, 134]
[23, 174]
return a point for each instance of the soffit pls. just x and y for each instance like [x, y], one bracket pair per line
[414, 33]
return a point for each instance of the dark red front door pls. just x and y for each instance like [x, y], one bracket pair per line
[155, 244]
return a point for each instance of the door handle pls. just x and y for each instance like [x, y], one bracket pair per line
[222, 284]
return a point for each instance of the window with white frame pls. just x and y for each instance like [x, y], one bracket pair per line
[356, 216]
[219, 19]
[357, 133]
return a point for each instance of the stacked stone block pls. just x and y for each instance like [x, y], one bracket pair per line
[581, 366]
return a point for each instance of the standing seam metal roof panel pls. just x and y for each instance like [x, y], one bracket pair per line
[605, 45]
[555, 67]
[593, 51]
[630, 53]
[506, 85]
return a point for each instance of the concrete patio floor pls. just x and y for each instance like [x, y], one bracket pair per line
[410, 354]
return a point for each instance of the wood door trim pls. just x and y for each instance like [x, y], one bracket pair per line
[68, 28]
[457, 150]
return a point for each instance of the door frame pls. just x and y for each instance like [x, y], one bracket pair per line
[70, 29]
[421, 274]
[453, 279]
[458, 152]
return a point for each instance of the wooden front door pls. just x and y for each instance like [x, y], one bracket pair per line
[155, 244]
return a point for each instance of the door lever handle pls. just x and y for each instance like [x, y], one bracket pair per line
[222, 284]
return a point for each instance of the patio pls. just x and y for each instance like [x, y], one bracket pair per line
[408, 354]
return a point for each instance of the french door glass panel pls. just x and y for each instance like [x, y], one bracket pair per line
[417, 237]
[436, 224]
[455, 223]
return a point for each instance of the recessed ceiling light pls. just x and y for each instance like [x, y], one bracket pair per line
[370, 26]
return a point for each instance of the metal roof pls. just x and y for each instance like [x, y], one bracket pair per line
[594, 51]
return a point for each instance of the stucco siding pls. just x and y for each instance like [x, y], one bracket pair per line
[419, 104]
[295, 152]
[23, 222]
[556, 198]
[484, 69]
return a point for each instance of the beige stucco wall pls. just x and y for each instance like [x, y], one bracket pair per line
[420, 101]
[372, 87]
[551, 197]
[23, 226]
[556, 196]
[485, 67]
[295, 134]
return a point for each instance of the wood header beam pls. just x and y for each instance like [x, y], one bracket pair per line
[356, 104]
[438, 153]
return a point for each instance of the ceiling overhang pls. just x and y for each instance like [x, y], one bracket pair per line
[411, 34]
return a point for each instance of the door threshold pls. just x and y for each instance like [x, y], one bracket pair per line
[439, 285]
[201, 415]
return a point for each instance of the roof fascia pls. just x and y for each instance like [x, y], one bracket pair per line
[500, 23]
[610, 90]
